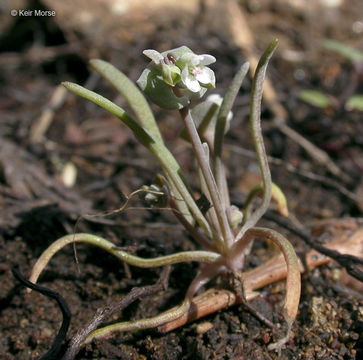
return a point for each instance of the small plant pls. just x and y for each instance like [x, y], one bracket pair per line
[171, 80]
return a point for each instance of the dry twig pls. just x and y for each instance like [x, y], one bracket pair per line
[41, 125]
[105, 313]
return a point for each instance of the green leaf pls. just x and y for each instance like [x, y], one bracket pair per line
[144, 115]
[355, 102]
[157, 148]
[131, 93]
[222, 126]
[315, 98]
[226, 107]
[353, 55]
[256, 131]
[141, 134]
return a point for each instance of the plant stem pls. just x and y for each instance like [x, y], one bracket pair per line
[208, 176]
[175, 177]
[211, 214]
[200, 238]
[185, 256]
[229, 98]
[141, 324]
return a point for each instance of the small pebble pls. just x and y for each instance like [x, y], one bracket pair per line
[204, 327]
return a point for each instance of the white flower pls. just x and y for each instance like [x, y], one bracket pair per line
[195, 74]
[196, 77]
[177, 68]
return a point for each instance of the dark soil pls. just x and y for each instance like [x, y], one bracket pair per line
[36, 208]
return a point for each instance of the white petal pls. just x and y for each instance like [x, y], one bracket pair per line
[205, 76]
[187, 58]
[215, 98]
[206, 59]
[192, 84]
[190, 81]
[195, 60]
[184, 74]
[154, 55]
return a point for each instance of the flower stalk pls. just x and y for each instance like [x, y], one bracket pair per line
[203, 163]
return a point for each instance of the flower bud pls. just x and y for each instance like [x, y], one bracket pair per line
[235, 216]
[157, 194]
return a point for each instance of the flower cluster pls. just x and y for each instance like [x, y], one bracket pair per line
[176, 76]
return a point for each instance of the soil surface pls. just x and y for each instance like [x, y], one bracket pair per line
[39, 201]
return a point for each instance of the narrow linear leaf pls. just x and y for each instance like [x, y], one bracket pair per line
[315, 98]
[256, 131]
[157, 148]
[108, 105]
[131, 93]
[355, 102]
[353, 55]
[226, 107]
[144, 115]
[221, 129]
